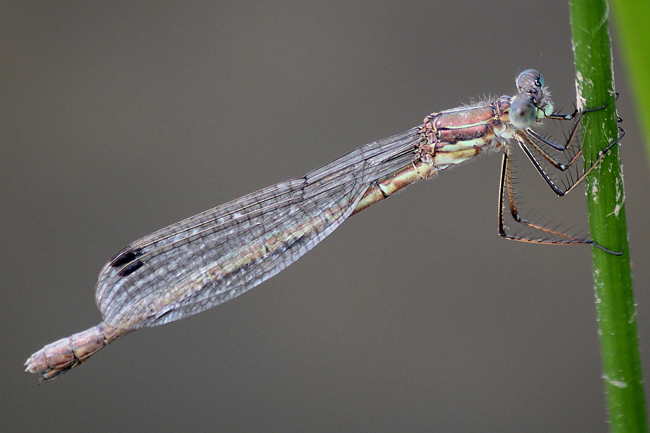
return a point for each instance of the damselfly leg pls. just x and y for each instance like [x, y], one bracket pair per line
[527, 137]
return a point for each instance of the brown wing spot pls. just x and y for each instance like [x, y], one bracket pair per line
[130, 268]
[125, 256]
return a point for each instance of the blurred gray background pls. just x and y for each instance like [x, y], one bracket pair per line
[121, 118]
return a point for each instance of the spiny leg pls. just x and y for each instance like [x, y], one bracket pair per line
[522, 140]
[532, 136]
[506, 187]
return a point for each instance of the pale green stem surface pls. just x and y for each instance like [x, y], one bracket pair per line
[615, 305]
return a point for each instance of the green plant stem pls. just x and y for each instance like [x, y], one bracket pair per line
[632, 18]
[606, 205]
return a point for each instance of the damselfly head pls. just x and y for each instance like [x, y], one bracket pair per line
[533, 101]
[531, 81]
[523, 111]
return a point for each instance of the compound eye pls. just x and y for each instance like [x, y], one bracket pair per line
[529, 81]
[523, 111]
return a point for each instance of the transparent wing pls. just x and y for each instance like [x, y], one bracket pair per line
[212, 257]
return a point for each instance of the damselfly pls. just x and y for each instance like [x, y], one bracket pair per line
[212, 257]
